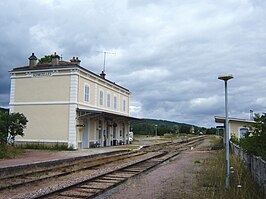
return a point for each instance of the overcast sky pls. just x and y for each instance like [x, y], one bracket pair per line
[167, 53]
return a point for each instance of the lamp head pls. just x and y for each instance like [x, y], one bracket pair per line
[226, 77]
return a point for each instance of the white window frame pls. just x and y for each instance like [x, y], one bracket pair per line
[101, 97]
[239, 131]
[108, 100]
[86, 95]
[115, 102]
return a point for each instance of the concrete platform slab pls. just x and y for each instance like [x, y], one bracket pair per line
[39, 156]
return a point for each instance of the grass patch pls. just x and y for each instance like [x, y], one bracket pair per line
[164, 138]
[197, 162]
[211, 180]
[129, 147]
[8, 151]
[45, 146]
[216, 141]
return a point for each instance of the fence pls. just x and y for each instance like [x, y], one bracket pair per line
[256, 165]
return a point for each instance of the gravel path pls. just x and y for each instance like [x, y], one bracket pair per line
[174, 179]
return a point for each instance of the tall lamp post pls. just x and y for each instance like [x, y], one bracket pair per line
[156, 129]
[225, 78]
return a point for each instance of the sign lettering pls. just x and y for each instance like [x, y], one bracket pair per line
[42, 74]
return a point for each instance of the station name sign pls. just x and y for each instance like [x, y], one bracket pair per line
[42, 74]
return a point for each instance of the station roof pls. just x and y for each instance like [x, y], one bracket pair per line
[221, 119]
[62, 65]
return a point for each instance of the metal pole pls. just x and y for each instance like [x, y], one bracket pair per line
[227, 155]
[104, 57]
[225, 78]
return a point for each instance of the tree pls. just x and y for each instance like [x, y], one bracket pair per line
[211, 130]
[185, 129]
[3, 126]
[255, 141]
[46, 59]
[259, 127]
[11, 125]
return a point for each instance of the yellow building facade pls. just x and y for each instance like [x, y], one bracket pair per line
[237, 127]
[66, 103]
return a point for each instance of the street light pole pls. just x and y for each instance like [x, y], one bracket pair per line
[156, 129]
[225, 78]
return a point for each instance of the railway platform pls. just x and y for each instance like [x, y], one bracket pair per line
[30, 157]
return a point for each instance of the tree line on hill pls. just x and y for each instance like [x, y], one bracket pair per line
[151, 126]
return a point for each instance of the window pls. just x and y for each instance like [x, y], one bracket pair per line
[87, 93]
[101, 98]
[242, 132]
[115, 102]
[124, 105]
[108, 100]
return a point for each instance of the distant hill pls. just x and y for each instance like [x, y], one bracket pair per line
[148, 126]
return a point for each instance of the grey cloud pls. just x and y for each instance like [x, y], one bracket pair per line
[168, 53]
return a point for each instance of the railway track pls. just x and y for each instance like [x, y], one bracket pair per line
[40, 174]
[95, 186]
[92, 177]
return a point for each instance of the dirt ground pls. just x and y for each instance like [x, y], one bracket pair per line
[174, 179]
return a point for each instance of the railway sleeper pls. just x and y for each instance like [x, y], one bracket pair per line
[75, 194]
[101, 180]
[115, 176]
[90, 187]
[111, 178]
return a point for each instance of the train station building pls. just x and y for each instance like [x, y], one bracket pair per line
[237, 127]
[67, 103]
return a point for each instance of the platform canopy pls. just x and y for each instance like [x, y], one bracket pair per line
[112, 116]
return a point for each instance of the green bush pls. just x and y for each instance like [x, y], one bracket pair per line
[255, 141]
[9, 151]
[234, 139]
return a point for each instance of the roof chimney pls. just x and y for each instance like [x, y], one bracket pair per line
[251, 117]
[75, 60]
[102, 75]
[55, 59]
[33, 60]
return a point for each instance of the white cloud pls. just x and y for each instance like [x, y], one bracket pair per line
[205, 104]
[261, 101]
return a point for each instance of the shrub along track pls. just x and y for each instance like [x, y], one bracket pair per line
[89, 178]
